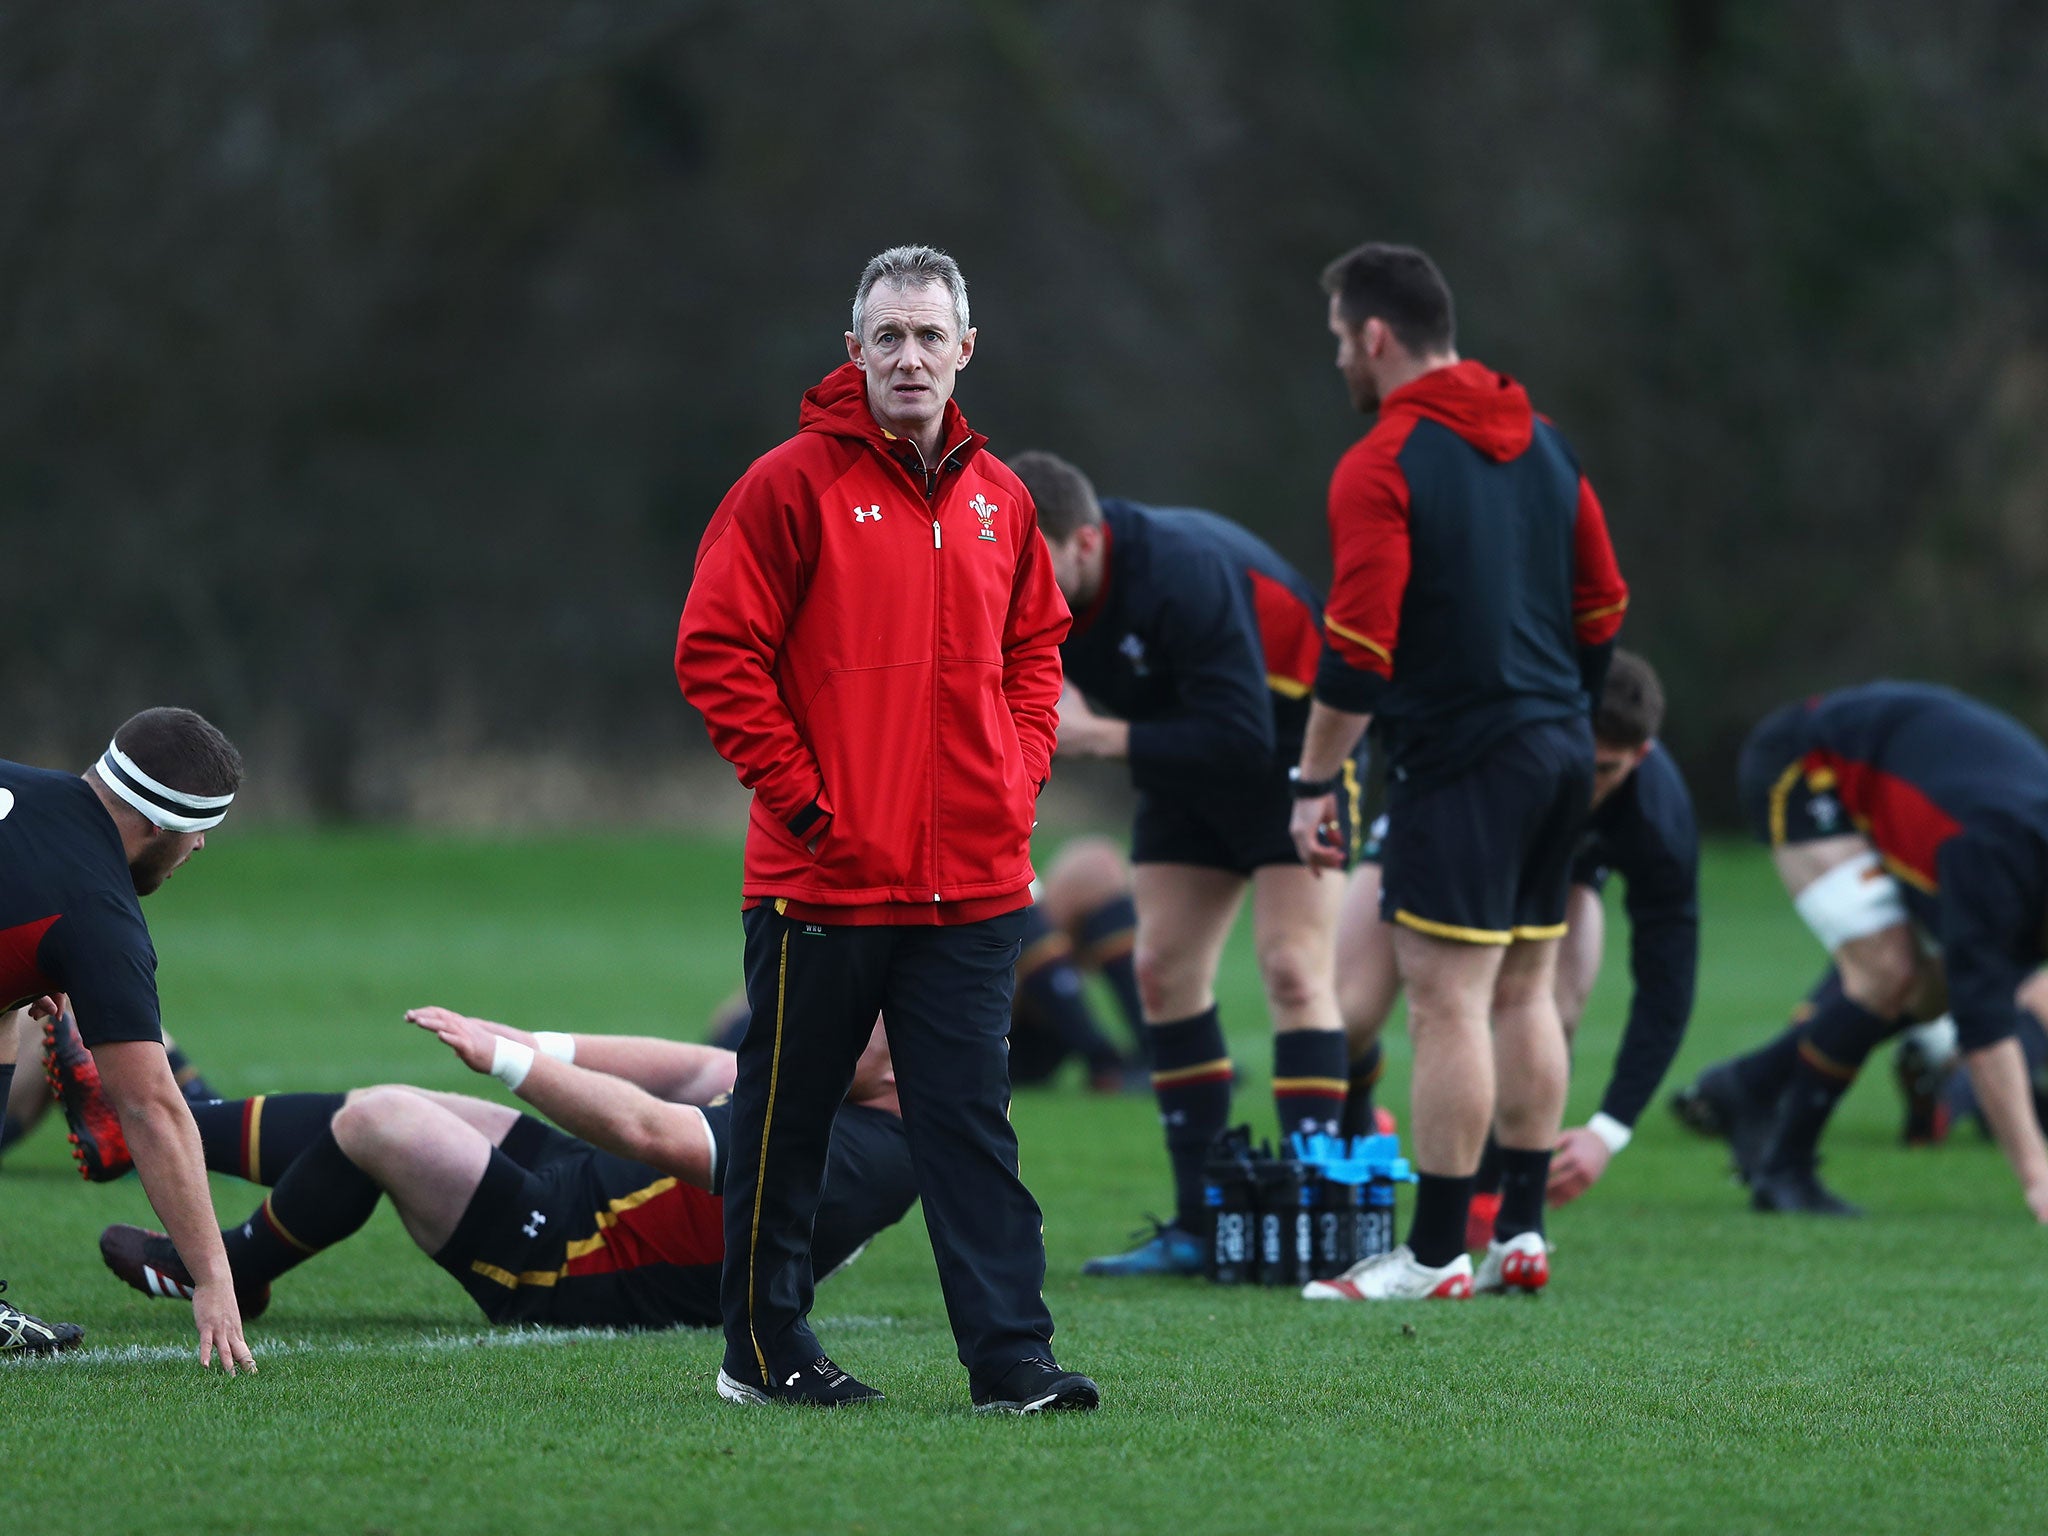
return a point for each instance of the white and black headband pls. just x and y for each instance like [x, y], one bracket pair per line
[171, 809]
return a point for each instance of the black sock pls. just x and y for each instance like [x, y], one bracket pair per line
[1487, 1180]
[1109, 936]
[320, 1199]
[1837, 1040]
[257, 1139]
[1364, 1079]
[1437, 1232]
[190, 1083]
[1309, 1084]
[11, 1129]
[1765, 1071]
[1524, 1178]
[1191, 1079]
[1050, 985]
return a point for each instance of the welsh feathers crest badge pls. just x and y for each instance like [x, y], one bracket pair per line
[985, 510]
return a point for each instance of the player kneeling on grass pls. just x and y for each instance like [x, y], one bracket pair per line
[1643, 829]
[1906, 821]
[614, 1221]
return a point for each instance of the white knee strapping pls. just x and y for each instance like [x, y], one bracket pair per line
[1851, 901]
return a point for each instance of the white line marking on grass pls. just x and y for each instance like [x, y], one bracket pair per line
[432, 1343]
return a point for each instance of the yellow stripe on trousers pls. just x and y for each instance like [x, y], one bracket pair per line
[761, 1167]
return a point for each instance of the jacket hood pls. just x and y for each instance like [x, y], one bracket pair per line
[1488, 410]
[837, 405]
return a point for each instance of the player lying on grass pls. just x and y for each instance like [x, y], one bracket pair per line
[612, 1221]
[1643, 829]
[1904, 820]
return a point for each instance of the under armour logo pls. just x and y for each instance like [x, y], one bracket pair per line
[532, 1228]
[868, 514]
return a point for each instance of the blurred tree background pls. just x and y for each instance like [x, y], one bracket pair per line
[368, 371]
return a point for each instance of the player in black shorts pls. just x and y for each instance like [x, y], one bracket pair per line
[1643, 828]
[1198, 644]
[1910, 827]
[76, 853]
[1473, 608]
[617, 1226]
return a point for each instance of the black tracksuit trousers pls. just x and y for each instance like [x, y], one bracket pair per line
[813, 991]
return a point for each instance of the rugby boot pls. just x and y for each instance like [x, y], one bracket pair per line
[149, 1262]
[1038, 1386]
[1797, 1190]
[1518, 1267]
[1168, 1251]
[1921, 1065]
[21, 1334]
[97, 1145]
[821, 1384]
[1718, 1105]
[1396, 1276]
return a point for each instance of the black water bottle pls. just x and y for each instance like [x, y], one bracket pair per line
[1286, 1228]
[1377, 1230]
[1340, 1225]
[1227, 1200]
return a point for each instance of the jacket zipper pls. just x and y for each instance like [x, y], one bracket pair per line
[931, 496]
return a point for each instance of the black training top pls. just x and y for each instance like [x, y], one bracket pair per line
[1204, 639]
[1646, 833]
[1954, 795]
[69, 920]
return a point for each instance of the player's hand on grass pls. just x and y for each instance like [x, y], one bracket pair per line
[1580, 1159]
[474, 1041]
[219, 1320]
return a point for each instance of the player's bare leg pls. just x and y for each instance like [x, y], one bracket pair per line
[21, 1334]
[1088, 896]
[1853, 907]
[27, 1099]
[1294, 926]
[1184, 915]
[1368, 985]
[1534, 1070]
[426, 1155]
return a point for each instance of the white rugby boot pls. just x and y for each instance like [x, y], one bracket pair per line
[1396, 1276]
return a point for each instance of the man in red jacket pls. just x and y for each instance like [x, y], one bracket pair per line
[1471, 619]
[872, 637]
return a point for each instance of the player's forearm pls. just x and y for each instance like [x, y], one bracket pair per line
[623, 1119]
[676, 1070]
[1331, 735]
[157, 1124]
[1999, 1074]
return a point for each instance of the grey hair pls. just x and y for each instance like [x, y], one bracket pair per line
[911, 266]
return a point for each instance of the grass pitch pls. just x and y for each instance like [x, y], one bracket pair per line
[1694, 1368]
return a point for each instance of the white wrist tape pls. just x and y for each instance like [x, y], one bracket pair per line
[1610, 1131]
[711, 1137]
[510, 1062]
[552, 1042]
[1851, 901]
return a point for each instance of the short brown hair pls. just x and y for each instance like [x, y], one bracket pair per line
[1066, 501]
[181, 750]
[1397, 284]
[1631, 705]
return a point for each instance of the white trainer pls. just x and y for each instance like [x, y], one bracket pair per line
[1519, 1266]
[1396, 1277]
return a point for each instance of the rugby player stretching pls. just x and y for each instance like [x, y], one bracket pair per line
[76, 852]
[618, 1225]
[1200, 644]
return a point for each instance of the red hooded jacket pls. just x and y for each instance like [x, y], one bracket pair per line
[876, 652]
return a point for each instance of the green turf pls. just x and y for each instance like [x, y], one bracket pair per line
[1694, 1368]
